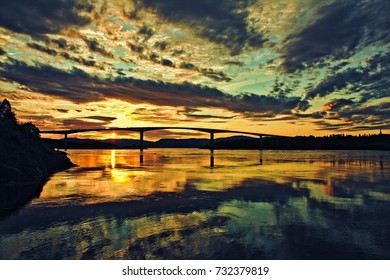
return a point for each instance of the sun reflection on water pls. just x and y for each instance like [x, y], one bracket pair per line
[173, 206]
[118, 175]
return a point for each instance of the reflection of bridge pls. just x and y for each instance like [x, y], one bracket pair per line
[142, 130]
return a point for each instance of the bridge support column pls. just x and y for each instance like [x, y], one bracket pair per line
[141, 147]
[65, 141]
[261, 142]
[211, 158]
[211, 149]
[141, 140]
[211, 140]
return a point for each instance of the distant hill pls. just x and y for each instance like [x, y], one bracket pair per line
[333, 142]
[79, 143]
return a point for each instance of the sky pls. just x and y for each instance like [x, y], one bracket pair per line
[293, 67]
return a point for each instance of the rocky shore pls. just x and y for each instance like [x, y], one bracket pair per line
[26, 162]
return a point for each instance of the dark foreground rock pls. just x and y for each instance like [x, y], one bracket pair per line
[26, 162]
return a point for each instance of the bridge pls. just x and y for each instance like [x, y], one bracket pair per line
[142, 130]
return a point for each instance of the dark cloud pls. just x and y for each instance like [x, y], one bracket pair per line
[43, 16]
[61, 43]
[82, 124]
[199, 116]
[80, 87]
[218, 76]
[369, 80]
[146, 31]
[81, 60]
[94, 46]
[189, 66]
[167, 62]
[178, 52]
[234, 63]
[352, 116]
[62, 110]
[194, 113]
[135, 48]
[283, 88]
[341, 29]
[42, 48]
[161, 45]
[101, 118]
[224, 22]
[154, 57]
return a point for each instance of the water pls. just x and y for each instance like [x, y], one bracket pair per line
[171, 204]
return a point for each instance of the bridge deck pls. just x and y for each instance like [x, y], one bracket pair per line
[144, 129]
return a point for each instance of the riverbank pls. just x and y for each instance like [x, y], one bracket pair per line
[26, 161]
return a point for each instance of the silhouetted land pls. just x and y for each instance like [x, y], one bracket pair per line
[26, 160]
[332, 142]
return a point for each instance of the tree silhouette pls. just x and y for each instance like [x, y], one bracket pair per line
[6, 111]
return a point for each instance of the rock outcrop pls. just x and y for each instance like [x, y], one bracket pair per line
[26, 162]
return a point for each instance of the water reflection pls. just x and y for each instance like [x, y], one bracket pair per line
[295, 205]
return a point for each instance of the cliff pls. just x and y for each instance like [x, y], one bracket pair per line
[26, 162]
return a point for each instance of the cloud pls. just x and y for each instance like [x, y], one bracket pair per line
[101, 118]
[353, 117]
[42, 48]
[336, 105]
[342, 28]
[78, 86]
[43, 16]
[82, 124]
[94, 46]
[88, 122]
[167, 62]
[369, 80]
[146, 31]
[81, 60]
[224, 22]
[62, 110]
[218, 76]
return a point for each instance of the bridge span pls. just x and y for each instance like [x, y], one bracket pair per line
[142, 130]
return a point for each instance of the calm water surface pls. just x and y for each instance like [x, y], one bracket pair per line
[170, 204]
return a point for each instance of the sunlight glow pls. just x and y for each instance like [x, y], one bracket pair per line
[113, 160]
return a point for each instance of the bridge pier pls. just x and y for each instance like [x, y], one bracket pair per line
[141, 147]
[211, 158]
[260, 142]
[141, 157]
[141, 140]
[65, 141]
[211, 140]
